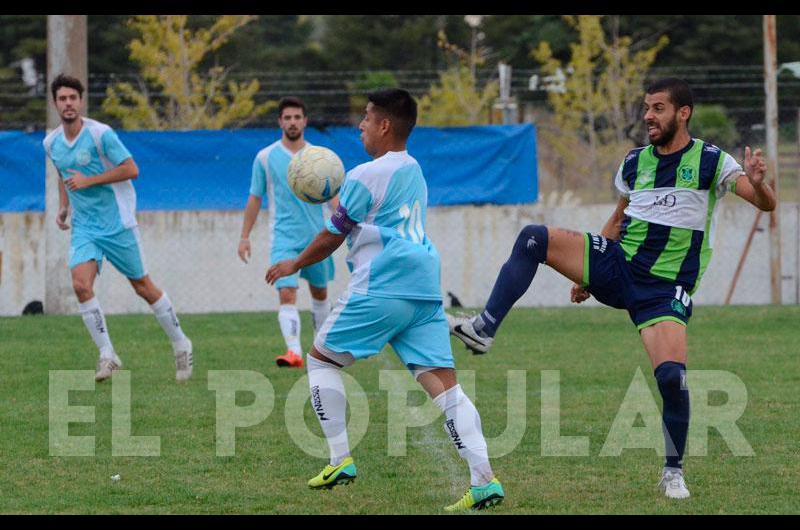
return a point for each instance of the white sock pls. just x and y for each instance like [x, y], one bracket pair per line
[95, 322]
[319, 312]
[289, 320]
[463, 425]
[165, 314]
[329, 401]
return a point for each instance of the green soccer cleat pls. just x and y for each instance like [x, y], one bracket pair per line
[479, 497]
[331, 476]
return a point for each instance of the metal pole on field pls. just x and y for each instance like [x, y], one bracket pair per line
[771, 121]
[66, 53]
[797, 226]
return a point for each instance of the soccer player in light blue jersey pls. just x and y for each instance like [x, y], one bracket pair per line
[95, 172]
[394, 297]
[292, 224]
[649, 257]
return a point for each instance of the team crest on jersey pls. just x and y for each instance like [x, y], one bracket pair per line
[686, 173]
[83, 157]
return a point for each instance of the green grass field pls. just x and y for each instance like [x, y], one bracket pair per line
[597, 352]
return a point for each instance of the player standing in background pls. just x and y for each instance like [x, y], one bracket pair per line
[293, 225]
[394, 297]
[95, 172]
[648, 258]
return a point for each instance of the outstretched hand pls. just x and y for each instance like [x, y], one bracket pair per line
[283, 268]
[754, 166]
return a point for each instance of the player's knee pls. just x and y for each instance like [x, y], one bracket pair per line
[669, 376]
[316, 359]
[532, 242]
[319, 293]
[83, 289]
[287, 295]
[146, 290]
[141, 288]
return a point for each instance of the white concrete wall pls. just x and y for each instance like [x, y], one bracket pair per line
[192, 255]
[22, 261]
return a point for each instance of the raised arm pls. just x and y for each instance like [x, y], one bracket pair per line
[752, 185]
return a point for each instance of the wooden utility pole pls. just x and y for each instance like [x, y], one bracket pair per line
[771, 122]
[67, 54]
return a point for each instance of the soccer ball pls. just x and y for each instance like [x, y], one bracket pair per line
[315, 174]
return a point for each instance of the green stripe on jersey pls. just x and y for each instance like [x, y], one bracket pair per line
[705, 250]
[646, 170]
[636, 232]
[668, 264]
[689, 167]
[635, 235]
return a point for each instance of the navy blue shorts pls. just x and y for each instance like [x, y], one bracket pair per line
[608, 277]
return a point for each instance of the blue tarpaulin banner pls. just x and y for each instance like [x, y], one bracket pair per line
[210, 170]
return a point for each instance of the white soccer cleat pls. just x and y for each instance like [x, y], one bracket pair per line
[106, 367]
[672, 484]
[183, 360]
[461, 327]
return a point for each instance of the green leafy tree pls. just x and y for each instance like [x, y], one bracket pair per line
[267, 44]
[512, 38]
[457, 99]
[387, 42]
[169, 54]
[20, 108]
[108, 39]
[359, 90]
[712, 124]
[22, 38]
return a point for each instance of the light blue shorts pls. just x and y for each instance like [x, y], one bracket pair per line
[123, 250]
[362, 325]
[318, 274]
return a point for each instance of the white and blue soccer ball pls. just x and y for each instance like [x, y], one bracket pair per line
[315, 174]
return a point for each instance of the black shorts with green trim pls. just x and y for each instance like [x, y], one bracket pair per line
[609, 278]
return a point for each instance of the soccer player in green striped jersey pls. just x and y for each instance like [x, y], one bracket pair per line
[649, 257]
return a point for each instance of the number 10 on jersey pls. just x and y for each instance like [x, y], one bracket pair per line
[411, 226]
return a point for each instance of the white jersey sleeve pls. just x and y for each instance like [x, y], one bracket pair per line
[620, 183]
[731, 170]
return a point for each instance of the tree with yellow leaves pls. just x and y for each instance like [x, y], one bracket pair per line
[601, 98]
[169, 55]
[456, 99]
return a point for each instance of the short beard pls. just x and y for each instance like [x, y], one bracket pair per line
[70, 120]
[667, 134]
[293, 138]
